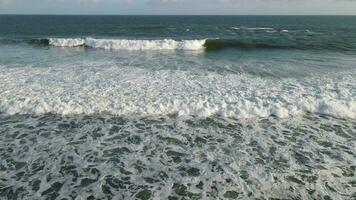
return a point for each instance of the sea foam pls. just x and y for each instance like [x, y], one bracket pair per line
[64, 42]
[125, 44]
[119, 90]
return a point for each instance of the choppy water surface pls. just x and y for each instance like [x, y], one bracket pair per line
[94, 157]
[168, 107]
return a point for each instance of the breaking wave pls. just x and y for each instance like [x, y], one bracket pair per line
[200, 44]
[121, 90]
[191, 44]
[123, 44]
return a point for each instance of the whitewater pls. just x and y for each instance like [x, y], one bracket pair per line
[122, 90]
[124, 44]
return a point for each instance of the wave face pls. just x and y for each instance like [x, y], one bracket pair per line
[171, 44]
[191, 44]
[123, 44]
[132, 91]
[219, 44]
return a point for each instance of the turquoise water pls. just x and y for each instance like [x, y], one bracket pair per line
[172, 107]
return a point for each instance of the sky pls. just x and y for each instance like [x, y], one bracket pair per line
[180, 7]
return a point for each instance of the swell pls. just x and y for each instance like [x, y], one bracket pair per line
[219, 44]
[280, 43]
[197, 44]
[30, 41]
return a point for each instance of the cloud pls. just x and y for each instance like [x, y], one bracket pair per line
[156, 2]
[78, 1]
[222, 1]
[60, 1]
[81, 2]
[6, 1]
[260, 7]
[190, 1]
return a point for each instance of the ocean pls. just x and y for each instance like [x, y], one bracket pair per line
[177, 107]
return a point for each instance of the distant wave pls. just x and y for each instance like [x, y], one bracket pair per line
[170, 44]
[252, 29]
[193, 44]
[257, 29]
[123, 44]
[166, 44]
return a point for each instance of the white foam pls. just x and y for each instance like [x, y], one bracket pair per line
[120, 90]
[253, 28]
[123, 44]
[66, 42]
[260, 28]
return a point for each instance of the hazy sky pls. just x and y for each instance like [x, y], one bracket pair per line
[187, 7]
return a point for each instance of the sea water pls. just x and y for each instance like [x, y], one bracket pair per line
[173, 107]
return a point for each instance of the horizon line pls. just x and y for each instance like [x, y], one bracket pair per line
[174, 14]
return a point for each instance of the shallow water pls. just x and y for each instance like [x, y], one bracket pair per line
[169, 157]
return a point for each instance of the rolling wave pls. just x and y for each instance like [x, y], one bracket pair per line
[193, 44]
[123, 44]
[200, 44]
[218, 44]
[166, 44]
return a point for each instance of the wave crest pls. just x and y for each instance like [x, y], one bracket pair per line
[124, 44]
[192, 44]
[64, 42]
